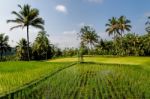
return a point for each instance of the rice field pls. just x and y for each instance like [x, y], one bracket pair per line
[16, 74]
[97, 78]
[107, 59]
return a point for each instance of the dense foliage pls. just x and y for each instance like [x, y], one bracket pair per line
[132, 45]
[41, 47]
[21, 50]
[26, 17]
[4, 46]
[123, 42]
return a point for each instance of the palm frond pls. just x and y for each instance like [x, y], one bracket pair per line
[38, 26]
[17, 14]
[16, 27]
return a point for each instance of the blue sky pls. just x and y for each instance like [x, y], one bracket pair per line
[64, 18]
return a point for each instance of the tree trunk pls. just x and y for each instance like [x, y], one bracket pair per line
[28, 43]
[1, 55]
[46, 55]
[91, 48]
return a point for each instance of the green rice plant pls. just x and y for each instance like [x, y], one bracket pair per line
[98, 81]
[16, 74]
[93, 81]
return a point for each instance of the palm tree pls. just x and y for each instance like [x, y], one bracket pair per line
[124, 25]
[4, 47]
[21, 49]
[148, 25]
[112, 27]
[26, 17]
[118, 26]
[88, 36]
[41, 44]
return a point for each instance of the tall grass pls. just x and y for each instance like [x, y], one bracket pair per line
[124, 78]
[95, 81]
[15, 74]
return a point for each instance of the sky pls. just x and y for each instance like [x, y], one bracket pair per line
[64, 18]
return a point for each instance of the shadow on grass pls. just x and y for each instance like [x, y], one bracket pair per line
[108, 64]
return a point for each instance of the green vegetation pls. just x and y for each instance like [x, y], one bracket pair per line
[124, 42]
[117, 74]
[4, 47]
[26, 17]
[16, 74]
[99, 77]
[96, 81]
[41, 47]
[21, 50]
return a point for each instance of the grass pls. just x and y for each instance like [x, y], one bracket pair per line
[144, 62]
[95, 81]
[15, 74]
[121, 60]
[102, 79]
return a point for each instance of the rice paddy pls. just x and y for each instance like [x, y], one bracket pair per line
[118, 78]
[16, 74]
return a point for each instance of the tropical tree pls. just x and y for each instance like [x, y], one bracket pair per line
[146, 43]
[56, 52]
[41, 44]
[148, 25]
[117, 26]
[104, 47]
[26, 17]
[4, 47]
[21, 49]
[124, 25]
[81, 52]
[88, 36]
[112, 27]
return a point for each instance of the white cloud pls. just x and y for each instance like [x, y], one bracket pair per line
[95, 1]
[147, 14]
[85, 24]
[66, 39]
[104, 35]
[81, 24]
[72, 32]
[63, 41]
[61, 8]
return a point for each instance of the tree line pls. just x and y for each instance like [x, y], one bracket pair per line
[28, 17]
[123, 43]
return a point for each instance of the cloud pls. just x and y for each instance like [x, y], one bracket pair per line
[104, 35]
[95, 1]
[85, 24]
[63, 41]
[72, 32]
[147, 14]
[61, 8]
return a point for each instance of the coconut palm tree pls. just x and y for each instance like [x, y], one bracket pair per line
[21, 49]
[26, 17]
[124, 25]
[112, 27]
[148, 25]
[88, 36]
[117, 26]
[4, 47]
[41, 44]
